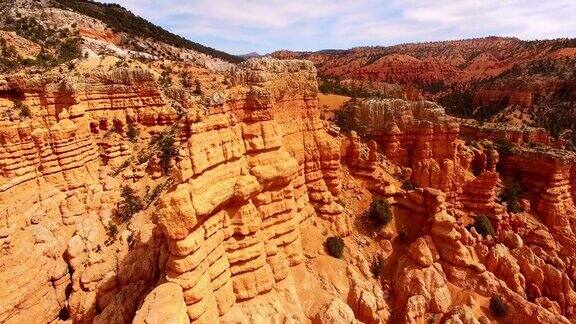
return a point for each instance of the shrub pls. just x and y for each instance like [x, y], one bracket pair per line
[458, 103]
[24, 110]
[165, 79]
[498, 306]
[377, 265]
[514, 207]
[403, 235]
[198, 90]
[510, 195]
[186, 81]
[167, 151]
[334, 86]
[408, 185]
[347, 121]
[130, 204]
[70, 49]
[434, 87]
[132, 133]
[150, 197]
[380, 212]
[511, 191]
[111, 231]
[120, 168]
[505, 148]
[335, 246]
[483, 225]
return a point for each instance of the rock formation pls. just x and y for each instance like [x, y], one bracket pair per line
[253, 169]
[251, 175]
[418, 135]
[448, 251]
[149, 181]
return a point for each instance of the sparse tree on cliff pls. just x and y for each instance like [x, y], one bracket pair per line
[130, 203]
[198, 90]
[510, 194]
[380, 212]
[347, 121]
[167, 151]
[484, 226]
[497, 306]
[23, 110]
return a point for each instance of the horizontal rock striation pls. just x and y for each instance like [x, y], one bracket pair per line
[254, 168]
[104, 95]
[549, 174]
[237, 197]
[63, 156]
[417, 134]
[53, 188]
[473, 130]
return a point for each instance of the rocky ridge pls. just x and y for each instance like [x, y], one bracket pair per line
[504, 80]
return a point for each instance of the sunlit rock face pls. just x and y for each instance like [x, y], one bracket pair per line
[255, 168]
[233, 227]
[254, 164]
[419, 135]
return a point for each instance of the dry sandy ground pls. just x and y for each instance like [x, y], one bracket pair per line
[329, 103]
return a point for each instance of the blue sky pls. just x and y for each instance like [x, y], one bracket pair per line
[243, 26]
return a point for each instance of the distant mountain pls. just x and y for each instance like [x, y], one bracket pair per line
[251, 55]
[486, 78]
[51, 32]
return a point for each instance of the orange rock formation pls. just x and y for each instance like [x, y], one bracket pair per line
[234, 229]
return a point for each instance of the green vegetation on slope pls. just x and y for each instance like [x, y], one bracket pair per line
[333, 86]
[57, 45]
[122, 20]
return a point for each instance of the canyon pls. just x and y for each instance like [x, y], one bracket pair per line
[161, 181]
[498, 79]
[236, 233]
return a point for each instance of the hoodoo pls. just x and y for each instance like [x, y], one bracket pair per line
[146, 178]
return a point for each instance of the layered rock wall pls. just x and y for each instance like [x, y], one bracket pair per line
[253, 169]
[253, 166]
[53, 189]
[548, 175]
[105, 96]
[473, 130]
[418, 135]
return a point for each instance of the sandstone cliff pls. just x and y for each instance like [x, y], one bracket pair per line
[254, 172]
[239, 185]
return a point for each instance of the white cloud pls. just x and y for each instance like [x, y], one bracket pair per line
[314, 24]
